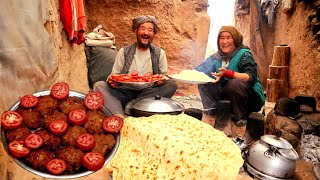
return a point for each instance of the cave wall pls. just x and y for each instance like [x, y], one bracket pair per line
[294, 30]
[184, 25]
[184, 28]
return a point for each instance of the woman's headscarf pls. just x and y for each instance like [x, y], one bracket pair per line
[238, 39]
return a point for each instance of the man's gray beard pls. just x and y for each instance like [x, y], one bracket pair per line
[144, 45]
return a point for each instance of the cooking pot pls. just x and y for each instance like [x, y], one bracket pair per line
[156, 105]
[271, 157]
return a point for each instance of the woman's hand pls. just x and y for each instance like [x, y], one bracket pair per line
[223, 72]
[227, 73]
[218, 75]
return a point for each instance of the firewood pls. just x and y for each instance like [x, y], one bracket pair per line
[276, 89]
[281, 55]
[278, 72]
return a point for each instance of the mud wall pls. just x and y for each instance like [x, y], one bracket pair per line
[294, 30]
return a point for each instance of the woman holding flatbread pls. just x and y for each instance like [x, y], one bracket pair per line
[236, 80]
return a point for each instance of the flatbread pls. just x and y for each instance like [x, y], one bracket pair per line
[174, 147]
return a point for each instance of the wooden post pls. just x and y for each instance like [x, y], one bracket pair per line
[276, 89]
[281, 55]
[278, 72]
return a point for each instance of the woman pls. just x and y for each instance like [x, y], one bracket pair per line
[237, 80]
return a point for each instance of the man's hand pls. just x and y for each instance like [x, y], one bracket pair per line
[112, 82]
[161, 81]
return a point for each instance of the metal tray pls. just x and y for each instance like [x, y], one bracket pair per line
[108, 156]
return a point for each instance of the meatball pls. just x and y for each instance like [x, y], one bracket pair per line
[55, 115]
[50, 141]
[46, 104]
[18, 134]
[31, 117]
[72, 156]
[71, 103]
[70, 137]
[39, 158]
[104, 143]
[94, 123]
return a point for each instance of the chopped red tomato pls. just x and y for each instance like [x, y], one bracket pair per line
[112, 124]
[94, 100]
[147, 74]
[93, 161]
[78, 117]
[58, 127]
[11, 120]
[86, 142]
[33, 141]
[60, 91]
[56, 166]
[18, 149]
[29, 101]
[134, 73]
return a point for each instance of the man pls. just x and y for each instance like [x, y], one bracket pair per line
[141, 57]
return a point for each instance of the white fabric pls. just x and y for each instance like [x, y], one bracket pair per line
[141, 62]
[100, 38]
[28, 62]
[27, 57]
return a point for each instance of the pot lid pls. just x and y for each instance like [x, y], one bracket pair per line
[289, 154]
[276, 141]
[158, 104]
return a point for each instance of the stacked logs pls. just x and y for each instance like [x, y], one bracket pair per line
[278, 74]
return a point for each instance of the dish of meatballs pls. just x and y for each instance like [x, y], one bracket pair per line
[60, 133]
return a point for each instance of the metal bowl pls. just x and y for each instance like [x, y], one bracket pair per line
[108, 156]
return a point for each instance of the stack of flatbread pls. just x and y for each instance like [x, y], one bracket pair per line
[174, 147]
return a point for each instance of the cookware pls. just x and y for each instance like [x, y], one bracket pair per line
[81, 173]
[156, 105]
[271, 157]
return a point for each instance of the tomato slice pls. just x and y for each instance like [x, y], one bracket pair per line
[93, 161]
[18, 149]
[114, 76]
[78, 117]
[58, 127]
[126, 78]
[134, 73]
[86, 142]
[56, 166]
[29, 101]
[156, 76]
[112, 124]
[60, 91]
[94, 100]
[147, 74]
[11, 120]
[146, 78]
[33, 141]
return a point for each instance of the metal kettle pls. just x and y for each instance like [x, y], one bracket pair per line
[271, 157]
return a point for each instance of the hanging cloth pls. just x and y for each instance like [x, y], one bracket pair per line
[268, 8]
[73, 19]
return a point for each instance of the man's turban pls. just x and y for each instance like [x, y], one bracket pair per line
[142, 19]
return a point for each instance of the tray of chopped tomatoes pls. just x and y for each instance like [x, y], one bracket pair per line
[59, 133]
[136, 81]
